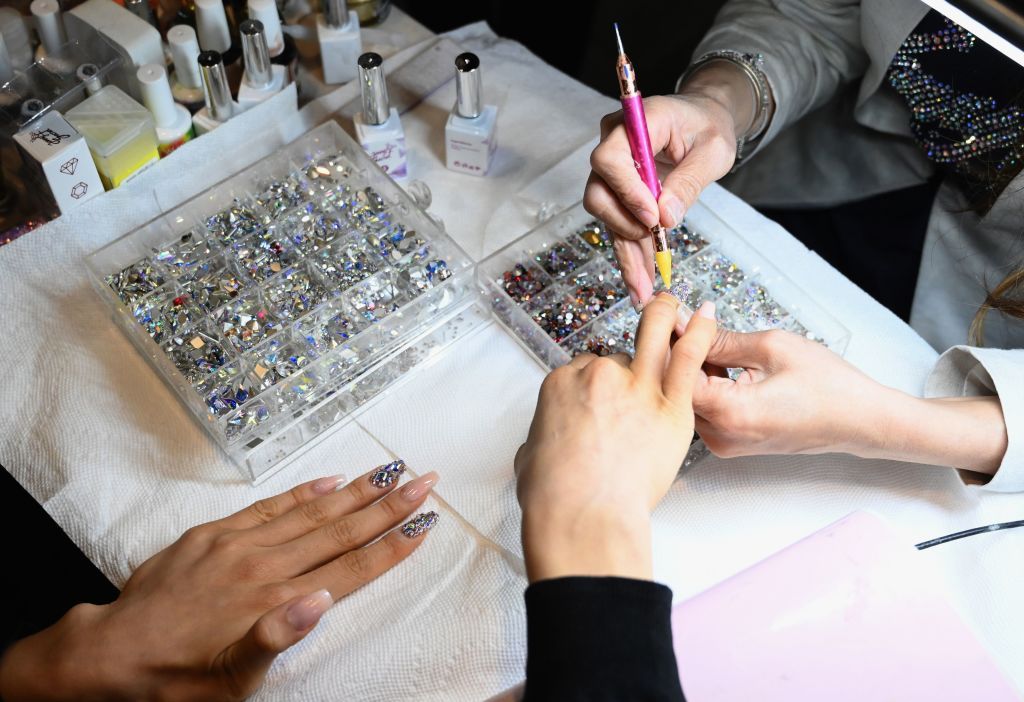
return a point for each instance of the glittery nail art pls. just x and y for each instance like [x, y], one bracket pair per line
[420, 524]
[386, 475]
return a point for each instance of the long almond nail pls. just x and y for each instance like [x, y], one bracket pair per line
[707, 309]
[306, 612]
[415, 489]
[386, 475]
[325, 486]
[420, 524]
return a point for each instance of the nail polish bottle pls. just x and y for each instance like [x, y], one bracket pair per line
[281, 46]
[337, 30]
[219, 106]
[120, 134]
[470, 136]
[186, 82]
[261, 79]
[378, 128]
[214, 32]
[173, 122]
[49, 25]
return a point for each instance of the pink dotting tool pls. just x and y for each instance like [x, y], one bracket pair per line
[643, 155]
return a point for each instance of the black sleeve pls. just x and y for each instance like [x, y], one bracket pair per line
[47, 574]
[600, 639]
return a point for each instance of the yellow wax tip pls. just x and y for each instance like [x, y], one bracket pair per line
[663, 259]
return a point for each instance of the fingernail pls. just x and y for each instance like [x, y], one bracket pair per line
[634, 300]
[307, 611]
[325, 486]
[675, 209]
[420, 524]
[415, 489]
[707, 309]
[386, 475]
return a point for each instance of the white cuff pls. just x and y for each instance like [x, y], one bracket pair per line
[965, 371]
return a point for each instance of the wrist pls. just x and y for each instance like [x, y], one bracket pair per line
[968, 433]
[725, 84]
[610, 541]
[61, 662]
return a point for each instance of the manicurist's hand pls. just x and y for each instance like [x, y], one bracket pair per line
[607, 439]
[796, 396]
[695, 133]
[204, 618]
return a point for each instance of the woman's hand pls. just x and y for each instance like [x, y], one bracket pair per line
[796, 396]
[695, 132]
[204, 618]
[607, 439]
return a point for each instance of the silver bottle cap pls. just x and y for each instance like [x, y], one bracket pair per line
[468, 91]
[335, 12]
[255, 54]
[215, 85]
[376, 105]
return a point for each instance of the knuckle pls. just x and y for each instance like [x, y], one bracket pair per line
[357, 565]
[264, 510]
[263, 636]
[776, 339]
[343, 533]
[197, 535]
[392, 510]
[609, 120]
[315, 513]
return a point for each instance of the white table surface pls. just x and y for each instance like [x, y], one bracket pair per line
[91, 432]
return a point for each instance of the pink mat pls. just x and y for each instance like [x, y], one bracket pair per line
[846, 614]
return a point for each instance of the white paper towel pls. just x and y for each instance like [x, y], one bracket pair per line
[91, 432]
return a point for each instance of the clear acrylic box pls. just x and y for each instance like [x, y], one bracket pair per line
[559, 292]
[288, 296]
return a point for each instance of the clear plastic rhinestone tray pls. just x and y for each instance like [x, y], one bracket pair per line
[559, 292]
[284, 298]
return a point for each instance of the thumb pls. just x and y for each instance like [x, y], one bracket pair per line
[739, 350]
[244, 663]
[684, 184]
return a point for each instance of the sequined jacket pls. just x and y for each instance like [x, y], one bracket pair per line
[839, 134]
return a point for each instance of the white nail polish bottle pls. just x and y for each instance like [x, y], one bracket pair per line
[261, 79]
[470, 136]
[49, 25]
[378, 128]
[173, 122]
[219, 107]
[186, 81]
[337, 30]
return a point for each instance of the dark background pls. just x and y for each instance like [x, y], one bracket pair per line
[658, 36]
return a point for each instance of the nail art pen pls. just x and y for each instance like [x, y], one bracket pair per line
[643, 155]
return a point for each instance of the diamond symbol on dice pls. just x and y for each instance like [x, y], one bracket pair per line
[68, 168]
[79, 190]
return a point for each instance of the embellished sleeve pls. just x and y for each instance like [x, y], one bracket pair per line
[809, 49]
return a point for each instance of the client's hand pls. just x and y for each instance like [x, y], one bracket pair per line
[796, 396]
[204, 618]
[607, 439]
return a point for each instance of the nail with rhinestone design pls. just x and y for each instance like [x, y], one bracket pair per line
[386, 475]
[420, 524]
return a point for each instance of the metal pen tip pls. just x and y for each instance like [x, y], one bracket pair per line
[618, 39]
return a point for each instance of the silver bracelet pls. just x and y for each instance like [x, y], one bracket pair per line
[752, 66]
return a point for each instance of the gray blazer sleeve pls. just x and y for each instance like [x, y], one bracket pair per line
[966, 371]
[810, 49]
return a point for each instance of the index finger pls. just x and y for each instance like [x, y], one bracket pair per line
[688, 355]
